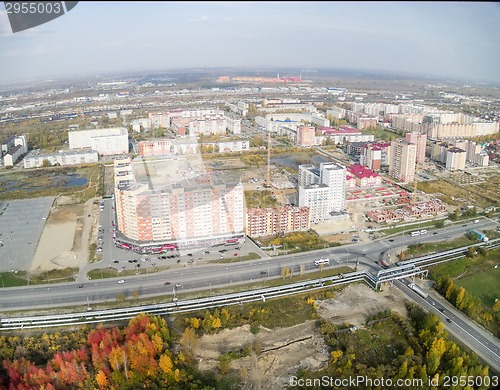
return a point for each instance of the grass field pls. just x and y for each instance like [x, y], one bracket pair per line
[10, 279]
[417, 250]
[485, 285]
[477, 275]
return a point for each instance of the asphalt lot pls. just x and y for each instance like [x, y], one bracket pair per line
[21, 225]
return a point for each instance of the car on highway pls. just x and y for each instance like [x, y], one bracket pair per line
[448, 320]
[476, 221]
[391, 240]
[80, 286]
[167, 284]
[178, 285]
[115, 261]
[121, 281]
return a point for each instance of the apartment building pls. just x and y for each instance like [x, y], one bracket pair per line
[455, 159]
[420, 140]
[306, 136]
[402, 160]
[109, 141]
[70, 157]
[278, 220]
[189, 211]
[323, 193]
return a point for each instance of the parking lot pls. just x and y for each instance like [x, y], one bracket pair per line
[21, 225]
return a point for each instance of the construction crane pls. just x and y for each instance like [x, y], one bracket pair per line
[267, 183]
[415, 180]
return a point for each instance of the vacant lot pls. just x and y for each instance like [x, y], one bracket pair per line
[453, 190]
[276, 354]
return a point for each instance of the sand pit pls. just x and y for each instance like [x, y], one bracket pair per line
[282, 352]
[279, 353]
[356, 302]
[54, 248]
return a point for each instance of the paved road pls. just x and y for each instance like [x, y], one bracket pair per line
[203, 276]
[479, 340]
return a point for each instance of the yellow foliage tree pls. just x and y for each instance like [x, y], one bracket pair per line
[194, 322]
[166, 364]
[101, 380]
[336, 355]
[216, 324]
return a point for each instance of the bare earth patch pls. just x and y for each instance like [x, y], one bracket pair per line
[356, 302]
[277, 356]
[56, 248]
[279, 353]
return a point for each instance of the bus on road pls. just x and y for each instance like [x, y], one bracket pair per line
[317, 263]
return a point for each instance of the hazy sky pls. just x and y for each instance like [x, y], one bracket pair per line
[454, 40]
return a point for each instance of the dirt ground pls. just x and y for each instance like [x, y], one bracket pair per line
[284, 351]
[60, 242]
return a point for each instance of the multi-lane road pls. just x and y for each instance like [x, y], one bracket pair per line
[479, 340]
[207, 276]
[194, 277]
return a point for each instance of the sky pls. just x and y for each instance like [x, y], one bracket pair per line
[453, 40]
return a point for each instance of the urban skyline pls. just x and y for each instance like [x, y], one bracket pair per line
[440, 39]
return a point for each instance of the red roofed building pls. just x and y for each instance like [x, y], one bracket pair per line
[364, 176]
[350, 182]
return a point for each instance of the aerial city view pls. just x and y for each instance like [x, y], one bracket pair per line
[249, 195]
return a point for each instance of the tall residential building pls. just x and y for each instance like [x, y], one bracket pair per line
[306, 135]
[420, 141]
[375, 155]
[159, 119]
[324, 194]
[402, 160]
[472, 149]
[154, 205]
[455, 159]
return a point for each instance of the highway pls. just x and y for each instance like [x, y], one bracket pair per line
[205, 277]
[194, 276]
[462, 328]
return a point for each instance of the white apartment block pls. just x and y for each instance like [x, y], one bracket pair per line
[207, 126]
[71, 157]
[108, 141]
[323, 190]
[333, 175]
[308, 175]
[336, 112]
[140, 124]
[317, 198]
[455, 159]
